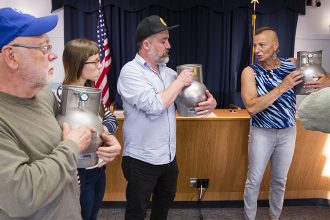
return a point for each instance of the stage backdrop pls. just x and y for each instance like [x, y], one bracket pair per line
[214, 33]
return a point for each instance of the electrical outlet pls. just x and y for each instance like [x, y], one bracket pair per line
[192, 182]
[202, 183]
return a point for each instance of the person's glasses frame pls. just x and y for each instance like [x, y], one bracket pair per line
[96, 62]
[46, 49]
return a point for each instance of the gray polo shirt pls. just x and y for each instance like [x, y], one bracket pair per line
[314, 111]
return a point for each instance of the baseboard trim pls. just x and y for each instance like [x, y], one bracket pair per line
[229, 204]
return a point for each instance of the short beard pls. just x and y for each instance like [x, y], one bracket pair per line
[33, 77]
[163, 59]
[37, 83]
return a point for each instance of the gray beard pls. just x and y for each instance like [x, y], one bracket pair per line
[164, 59]
[158, 59]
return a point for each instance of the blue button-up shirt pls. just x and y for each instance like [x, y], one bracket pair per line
[149, 129]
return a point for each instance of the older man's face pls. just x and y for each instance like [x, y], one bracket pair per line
[159, 47]
[36, 65]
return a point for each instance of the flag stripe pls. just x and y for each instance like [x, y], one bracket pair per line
[105, 59]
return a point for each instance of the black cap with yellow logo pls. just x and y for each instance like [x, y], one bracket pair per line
[151, 25]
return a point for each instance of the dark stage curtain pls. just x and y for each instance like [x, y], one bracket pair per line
[214, 33]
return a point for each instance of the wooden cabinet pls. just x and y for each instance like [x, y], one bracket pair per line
[216, 148]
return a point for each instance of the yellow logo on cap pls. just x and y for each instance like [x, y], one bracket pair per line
[163, 22]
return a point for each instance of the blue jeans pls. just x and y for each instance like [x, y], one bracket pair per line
[276, 145]
[92, 189]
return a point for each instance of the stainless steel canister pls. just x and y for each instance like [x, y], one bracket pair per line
[191, 95]
[310, 64]
[80, 106]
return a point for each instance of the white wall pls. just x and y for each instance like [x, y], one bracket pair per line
[313, 32]
[40, 8]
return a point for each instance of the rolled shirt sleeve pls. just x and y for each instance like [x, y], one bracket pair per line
[138, 90]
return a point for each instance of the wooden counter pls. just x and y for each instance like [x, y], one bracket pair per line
[215, 147]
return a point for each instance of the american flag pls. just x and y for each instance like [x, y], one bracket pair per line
[105, 59]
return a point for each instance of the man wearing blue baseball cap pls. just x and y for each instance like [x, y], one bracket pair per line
[38, 160]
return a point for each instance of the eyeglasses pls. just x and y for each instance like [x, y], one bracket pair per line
[45, 49]
[96, 62]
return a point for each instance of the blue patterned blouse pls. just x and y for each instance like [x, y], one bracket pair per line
[282, 113]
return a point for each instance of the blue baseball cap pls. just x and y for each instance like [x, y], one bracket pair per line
[14, 23]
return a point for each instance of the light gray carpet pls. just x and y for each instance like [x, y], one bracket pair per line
[288, 213]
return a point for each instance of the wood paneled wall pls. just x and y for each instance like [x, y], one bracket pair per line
[216, 148]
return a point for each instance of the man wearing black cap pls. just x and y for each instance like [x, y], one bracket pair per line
[148, 89]
[38, 161]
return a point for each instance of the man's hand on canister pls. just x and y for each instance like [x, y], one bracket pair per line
[81, 135]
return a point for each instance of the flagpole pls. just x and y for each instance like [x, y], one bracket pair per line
[253, 21]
